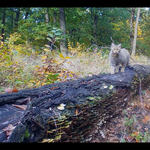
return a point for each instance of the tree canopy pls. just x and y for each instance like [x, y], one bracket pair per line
[88, 25]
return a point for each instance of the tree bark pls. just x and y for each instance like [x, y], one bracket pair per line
[131, 28]
[27, 12]
[95, 28]
[54, 17]
[46, 15]
[92, 25]
[135, 33]
[3, 22]
[89, 102]
[63, 46]
[17, 18]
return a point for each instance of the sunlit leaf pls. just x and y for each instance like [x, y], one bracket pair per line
[61, 55]
[43, 57]
[61, 106]
[70, 75]
[67, 57]
[47, 50]
[47, 140]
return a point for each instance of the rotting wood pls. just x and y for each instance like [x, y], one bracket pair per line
[88, 101]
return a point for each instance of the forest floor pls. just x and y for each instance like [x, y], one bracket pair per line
[133, 125]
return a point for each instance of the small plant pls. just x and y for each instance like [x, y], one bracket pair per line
[129, 124]
[146, 137]
[137, 136]
[27, 134]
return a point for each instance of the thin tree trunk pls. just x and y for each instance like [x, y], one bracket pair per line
[3, 22]
[95, 28]
[47, 21]
[135, 32]
[131, 28]
[27, 13]
[63, 46]
[91, 25]
[46, 15]
[17, 17]
[54, 17]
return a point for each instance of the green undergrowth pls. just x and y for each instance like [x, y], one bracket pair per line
[30, 69]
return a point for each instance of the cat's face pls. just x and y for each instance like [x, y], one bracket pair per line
[115, 49]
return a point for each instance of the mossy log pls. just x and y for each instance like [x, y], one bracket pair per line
[87, 102]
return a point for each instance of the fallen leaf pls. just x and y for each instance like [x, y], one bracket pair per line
[61, 56]
[9, 129]
[146, 118]
[23, 107]
[54, 87]
[136, 133]
[76, 112]
[137, 141]
[14, 89]
[43, 57]
[67, 57]
[61, 106]
[47, 50]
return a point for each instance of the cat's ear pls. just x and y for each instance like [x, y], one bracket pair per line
[119, 45]
[112, 44]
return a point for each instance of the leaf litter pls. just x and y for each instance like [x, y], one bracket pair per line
[133, 125]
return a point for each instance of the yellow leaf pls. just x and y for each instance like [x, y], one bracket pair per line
[43, 57]
[64, 69]
[70, 75]
[32, 81]
[61, 56]
[67, 57]
[47, 140]
[37, 83]
[45, 49]
[43, 83]
[37, 66]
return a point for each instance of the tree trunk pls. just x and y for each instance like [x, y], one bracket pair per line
[91, 25]
[63, 46]
[131, 28]
[54, 17]
[95, 28]
[70, 111]
[27, 12]
[17, 18]
[3, 22]
[12, 19]
[46, 15]
[135, 33]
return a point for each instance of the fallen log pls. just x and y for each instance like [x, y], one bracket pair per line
[69, 111]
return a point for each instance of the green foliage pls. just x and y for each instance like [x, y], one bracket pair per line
[28, 37]
[81, 26]
[129, 123]
[27, 134]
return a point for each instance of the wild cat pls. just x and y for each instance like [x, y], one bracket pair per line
[117, 56]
